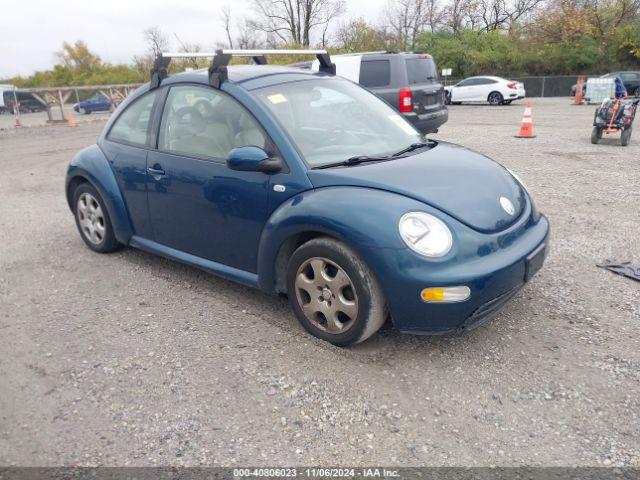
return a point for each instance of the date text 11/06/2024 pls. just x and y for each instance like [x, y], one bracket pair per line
[315, 473]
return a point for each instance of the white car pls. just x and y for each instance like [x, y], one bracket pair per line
[494, 90]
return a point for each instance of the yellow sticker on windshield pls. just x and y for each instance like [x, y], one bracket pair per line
[277, 98]
[402, 123]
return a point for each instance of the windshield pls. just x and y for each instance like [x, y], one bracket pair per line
[331, 120]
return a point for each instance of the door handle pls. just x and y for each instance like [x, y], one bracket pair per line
[155, 171]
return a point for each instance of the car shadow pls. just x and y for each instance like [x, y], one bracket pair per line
[275, 311]
[613, 139]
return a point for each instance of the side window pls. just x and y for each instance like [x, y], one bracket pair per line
[466, 83]
[204, 122]
[132, 126]
[375, 73]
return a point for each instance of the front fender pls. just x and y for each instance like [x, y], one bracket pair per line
[91, 165]
[366, 219]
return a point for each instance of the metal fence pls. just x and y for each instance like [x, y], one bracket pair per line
[549, 86]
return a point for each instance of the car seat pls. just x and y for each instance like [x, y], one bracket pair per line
[187, 133]
[248, 133]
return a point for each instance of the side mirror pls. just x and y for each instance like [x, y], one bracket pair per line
[252, 159]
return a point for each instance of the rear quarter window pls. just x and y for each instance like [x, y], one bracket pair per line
[132, 126]
[375, 73]
[421, 70]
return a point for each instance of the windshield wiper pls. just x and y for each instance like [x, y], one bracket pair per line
[357, 160]
[415, 146]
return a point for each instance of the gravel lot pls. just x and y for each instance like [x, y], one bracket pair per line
[130, 359]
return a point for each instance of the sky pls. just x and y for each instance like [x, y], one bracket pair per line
[33, 30]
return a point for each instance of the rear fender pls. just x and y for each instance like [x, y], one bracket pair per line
[92, 166]
[365, 219]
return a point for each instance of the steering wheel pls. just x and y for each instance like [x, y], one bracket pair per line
[339, 134]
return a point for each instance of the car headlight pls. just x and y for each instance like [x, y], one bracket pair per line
[425, 234]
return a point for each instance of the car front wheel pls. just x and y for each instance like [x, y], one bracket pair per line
[333, 292]
[92, 220]
[495, 98]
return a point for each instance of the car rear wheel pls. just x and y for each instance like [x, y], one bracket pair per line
[625, 137]
[333, 293]
[495, 98]
[92, 220]
[82, 110]
[596, 135]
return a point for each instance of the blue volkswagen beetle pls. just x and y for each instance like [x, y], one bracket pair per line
[308, 185]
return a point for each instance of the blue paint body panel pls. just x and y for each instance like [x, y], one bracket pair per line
[92, 165]
[234, 223]
[240, 276]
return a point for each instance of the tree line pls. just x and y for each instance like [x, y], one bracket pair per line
[501, 37]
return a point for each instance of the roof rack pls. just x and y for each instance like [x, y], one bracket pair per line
[222, 57]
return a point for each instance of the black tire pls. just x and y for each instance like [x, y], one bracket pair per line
[625, 137]
[107, 241]
[456, 103]
[495, 98]
[366, 292]
[596, 135]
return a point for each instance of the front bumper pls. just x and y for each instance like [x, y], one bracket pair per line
[428, 122]
[494, 267]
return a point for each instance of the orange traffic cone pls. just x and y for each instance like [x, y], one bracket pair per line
[526, 126]
[578, 99]
[70, 120]
[18, 124]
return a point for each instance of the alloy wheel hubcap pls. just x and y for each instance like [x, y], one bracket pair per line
[91, 218]
[326, 295]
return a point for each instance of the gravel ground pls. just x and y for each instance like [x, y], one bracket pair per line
[130, 359]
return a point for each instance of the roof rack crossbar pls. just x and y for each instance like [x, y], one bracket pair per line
[221, 58]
